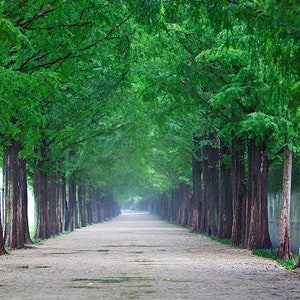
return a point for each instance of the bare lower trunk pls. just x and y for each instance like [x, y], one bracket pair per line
[197, 193]
[185, 204]
[2, 248]
[49, 195]
[225, 205]
[239, 192]
[284, 247]
[72, 209]
[257, 233]
[82, 204]
[41, 204]
[210, 203]
[16, 230]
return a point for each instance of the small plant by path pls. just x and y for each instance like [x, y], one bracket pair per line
[288, 264]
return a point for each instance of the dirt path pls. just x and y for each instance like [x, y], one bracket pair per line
[137, 256]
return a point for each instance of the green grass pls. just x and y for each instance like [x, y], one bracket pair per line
[222, 241]
[37, 241]
[288, 264]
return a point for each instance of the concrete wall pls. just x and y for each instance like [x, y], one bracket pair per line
[274, 219]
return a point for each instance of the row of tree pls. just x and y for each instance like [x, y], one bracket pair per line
[62, 68]
[233, 87]
[140, 98]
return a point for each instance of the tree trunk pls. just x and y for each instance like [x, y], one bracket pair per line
[2, 248]
[239, 192]
[52, 225]
[209, 205]
[82, 204]
[61, 201]
[89, 212]
[41, 204]
[197, 192]
[16, 229]
[50, 197]
[257, 232]
[72, 211]
[285, 247]
[225, 205]
[184, 204]
[92, 207]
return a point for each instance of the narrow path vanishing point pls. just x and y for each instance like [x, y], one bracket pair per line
[137, 256]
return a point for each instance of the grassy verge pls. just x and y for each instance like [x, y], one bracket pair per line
[288, 264]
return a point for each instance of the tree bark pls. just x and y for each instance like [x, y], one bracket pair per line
[16, 229]
[210, 203]
[225, 205]
[239, 191]
[82, 204]
[61, 201]
[2, 248]
[41, 204]
[50, 197]
[257, 231]
[197, 192]
[72, 210]
[183, 217]
[284, 246]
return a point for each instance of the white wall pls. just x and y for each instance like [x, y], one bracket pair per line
[30, 201]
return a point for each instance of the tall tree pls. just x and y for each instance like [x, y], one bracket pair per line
[285, 247]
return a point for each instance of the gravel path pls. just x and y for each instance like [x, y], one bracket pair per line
[137, 256]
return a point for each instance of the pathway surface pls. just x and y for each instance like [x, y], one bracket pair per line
[137, 256]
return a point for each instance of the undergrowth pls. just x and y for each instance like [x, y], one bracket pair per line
[288, 264]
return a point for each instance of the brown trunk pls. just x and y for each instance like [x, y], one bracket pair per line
[225, 205]
[92, 207]
[82, 204]
[285, 247]
[52, 225]
[16, 230]
[239, 192]
[257, 232]
[72, 211]
[41, 204]
[197, 193]
[49, 195]
[184, 207]
[209, 207]
[2, 248]
[89, 213]
[61, 202]
[103, 206]
[177, 200]
[40, 189]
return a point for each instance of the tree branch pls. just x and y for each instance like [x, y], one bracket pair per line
[35, 17]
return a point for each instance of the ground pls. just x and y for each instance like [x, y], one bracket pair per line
[137, 256]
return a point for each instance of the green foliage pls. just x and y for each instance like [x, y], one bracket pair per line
[127, 87]
[9, 34]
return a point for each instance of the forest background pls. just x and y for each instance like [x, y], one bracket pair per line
[190, 108]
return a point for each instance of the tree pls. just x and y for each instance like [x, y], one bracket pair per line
[54, 36]
[285, 247]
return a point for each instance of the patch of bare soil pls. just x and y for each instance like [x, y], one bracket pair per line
[137, 256]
